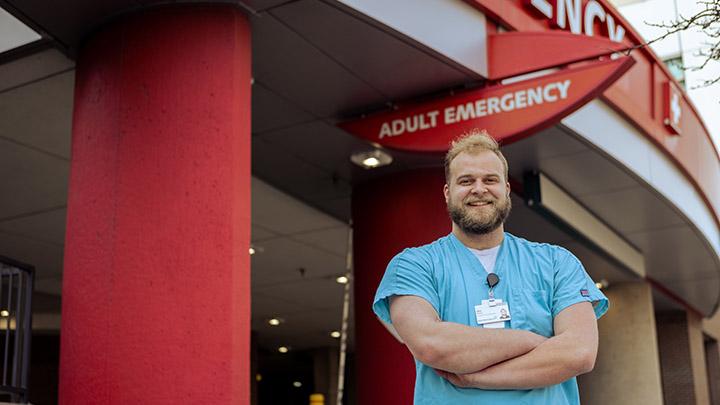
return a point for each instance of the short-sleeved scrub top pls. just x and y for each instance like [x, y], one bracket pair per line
[537, 280]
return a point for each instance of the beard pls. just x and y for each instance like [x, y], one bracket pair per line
[476, 223]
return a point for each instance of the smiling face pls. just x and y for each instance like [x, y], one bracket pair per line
[477, 193]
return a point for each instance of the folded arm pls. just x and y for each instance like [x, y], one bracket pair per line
[454, 347]
[571, 352]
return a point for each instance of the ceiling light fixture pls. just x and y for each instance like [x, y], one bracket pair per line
[252, 251]
[342, 279]
[4, 313]
[371, 159]
[335, 334]
[297, 384]
[274, 321]
[15, 32]
[602, 284]
[283, 349]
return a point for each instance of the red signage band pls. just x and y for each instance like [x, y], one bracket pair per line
[542, 50]
[507, 112]
[579, 17]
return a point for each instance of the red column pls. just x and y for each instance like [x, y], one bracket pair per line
[156, 303]
[389, 215]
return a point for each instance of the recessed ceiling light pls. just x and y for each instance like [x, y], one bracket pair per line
[342, 279]
[15, 33]
[602, 284]
[335, 334]
[371, 159]
[283, 349]
[274, 321]
[252, 251]
[4, 313]
[297, 384]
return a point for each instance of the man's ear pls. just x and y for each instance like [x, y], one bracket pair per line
[508, 189]
[446, 192]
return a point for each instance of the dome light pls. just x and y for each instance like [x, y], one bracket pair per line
[371, 159]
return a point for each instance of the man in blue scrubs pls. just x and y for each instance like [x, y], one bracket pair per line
[490, 318]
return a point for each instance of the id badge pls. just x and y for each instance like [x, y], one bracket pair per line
[492, 313]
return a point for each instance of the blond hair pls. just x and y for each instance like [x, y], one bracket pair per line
[473, 141]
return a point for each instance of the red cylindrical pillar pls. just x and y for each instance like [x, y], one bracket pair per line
[156, 303]
[389, 214]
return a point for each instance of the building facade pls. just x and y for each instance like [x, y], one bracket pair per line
[183, 176]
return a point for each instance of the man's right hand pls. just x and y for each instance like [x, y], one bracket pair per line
[453, 347]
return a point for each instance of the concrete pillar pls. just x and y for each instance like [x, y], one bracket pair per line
[389, 214]
[712, 362]
[627, 370]
[156, 287]
[711, 328]
[682, 356]
[697, 359]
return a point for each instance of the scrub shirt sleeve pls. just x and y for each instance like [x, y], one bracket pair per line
[408, 273]
[572, 285]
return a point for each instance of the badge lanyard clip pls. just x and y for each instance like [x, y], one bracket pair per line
[492, 281]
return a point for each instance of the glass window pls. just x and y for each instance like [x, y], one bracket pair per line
[677, 68]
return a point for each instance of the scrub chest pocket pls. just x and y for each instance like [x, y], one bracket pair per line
[532, 312]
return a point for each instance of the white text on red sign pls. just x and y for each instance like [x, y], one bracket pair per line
[569, 15]
[482, 107]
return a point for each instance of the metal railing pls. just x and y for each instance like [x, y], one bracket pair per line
[16, 289]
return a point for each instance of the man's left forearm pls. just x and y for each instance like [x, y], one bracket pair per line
[570, 353]
[552, 362]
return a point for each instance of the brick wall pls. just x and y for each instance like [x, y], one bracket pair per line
[675, 362]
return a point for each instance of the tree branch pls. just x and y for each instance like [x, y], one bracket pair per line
[708, 21]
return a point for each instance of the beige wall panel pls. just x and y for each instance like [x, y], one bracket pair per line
[627, 370]
[711, 326]
[697, 358]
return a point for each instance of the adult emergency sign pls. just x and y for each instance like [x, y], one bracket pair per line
[508, 102]
[482, 107]
[505, 111]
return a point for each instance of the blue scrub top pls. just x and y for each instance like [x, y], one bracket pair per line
[537, 280]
